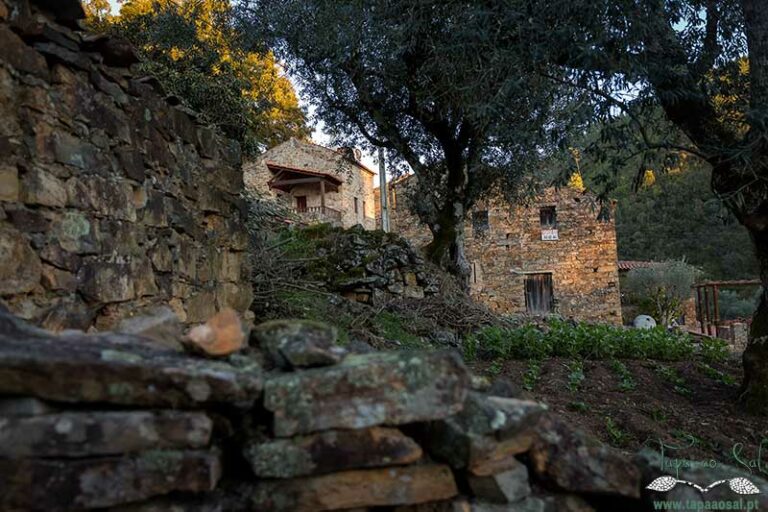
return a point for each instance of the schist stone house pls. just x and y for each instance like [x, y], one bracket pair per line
[552, 256]
[320, 184]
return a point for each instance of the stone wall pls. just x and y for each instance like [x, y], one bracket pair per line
[296, 423]
[111, 197]
[505, 247]
[357, 180]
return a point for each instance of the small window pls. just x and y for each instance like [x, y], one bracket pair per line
[364, 210]
[480, 223]
[548, 217]
[356, 209]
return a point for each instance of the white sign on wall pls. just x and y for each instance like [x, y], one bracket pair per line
[549, 234]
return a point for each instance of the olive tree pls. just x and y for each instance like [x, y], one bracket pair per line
[421, 80]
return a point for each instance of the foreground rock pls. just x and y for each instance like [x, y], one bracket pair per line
[160, 325]
[350, 489]
[103, 482]
[221, 335]
[335, 450]
[486, 435]
[299, 343]
[367, 390]
[508, 486]
[83, 369]
[576, 463]
[80, 434]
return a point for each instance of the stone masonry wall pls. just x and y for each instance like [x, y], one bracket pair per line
[357, 182]
[111, 198]
[582, 262]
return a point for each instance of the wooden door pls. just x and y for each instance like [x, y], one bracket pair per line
[539, 296]
[301, 204]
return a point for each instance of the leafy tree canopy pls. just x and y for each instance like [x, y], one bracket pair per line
[421, 80]
[193, 48]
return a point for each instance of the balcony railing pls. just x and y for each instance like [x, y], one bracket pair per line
[319, 214]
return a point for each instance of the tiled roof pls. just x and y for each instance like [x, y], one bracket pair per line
[633, 264]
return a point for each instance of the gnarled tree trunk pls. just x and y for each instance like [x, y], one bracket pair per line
[447, 247]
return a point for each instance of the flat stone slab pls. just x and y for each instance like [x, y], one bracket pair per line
[299, 343]
[406, 485]
[506, 487]
[113, 369]
[49, 484]
[332, 451]
[486, 434]
[81, 434]
[367, 390]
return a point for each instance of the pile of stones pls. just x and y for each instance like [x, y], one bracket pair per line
[289, 422]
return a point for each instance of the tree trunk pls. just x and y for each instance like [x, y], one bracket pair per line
[447, 246]
[754, 388]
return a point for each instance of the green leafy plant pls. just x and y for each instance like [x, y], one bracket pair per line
[714, 350]
[578, 406]
[671, 375]
[576, 375]
[532, 374]
[626, 381]
[615, 433]
[716, 375]
[580, 341]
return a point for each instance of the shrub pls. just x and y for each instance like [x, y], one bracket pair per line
[579, 341]
[714, 350]
[663, 288]
[738, 304]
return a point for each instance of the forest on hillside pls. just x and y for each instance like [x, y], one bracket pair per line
[675, 215]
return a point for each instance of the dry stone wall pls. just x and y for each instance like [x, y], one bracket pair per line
[112, 199]
[296, 423]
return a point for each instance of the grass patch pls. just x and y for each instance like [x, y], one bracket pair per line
[616, 434]
[579, 341]
[393, 328]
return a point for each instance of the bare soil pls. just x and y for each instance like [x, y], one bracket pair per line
[698, 412]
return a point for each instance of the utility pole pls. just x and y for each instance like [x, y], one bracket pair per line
[383, 192]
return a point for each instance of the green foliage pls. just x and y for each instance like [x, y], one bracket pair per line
[578, 406]
[738, 304]
[671, 375]
[417, 79]
[617, 436]
[393, 328]
[194, 51]
[716, 375]
[714, 350]
[664, 287]
[576, 375]
[679, 217]
[626, 381]
[532, 374]
[565, 339]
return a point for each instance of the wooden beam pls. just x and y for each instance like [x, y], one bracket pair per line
[296, 181]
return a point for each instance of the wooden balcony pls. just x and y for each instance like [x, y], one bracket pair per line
[313, 214]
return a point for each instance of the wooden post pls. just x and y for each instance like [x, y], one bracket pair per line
[383, 193]
[706, 309]
[322, 197]
[700, 308]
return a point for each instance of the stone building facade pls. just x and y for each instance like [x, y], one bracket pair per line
[550, 256]
[111, 199]
[318, 183]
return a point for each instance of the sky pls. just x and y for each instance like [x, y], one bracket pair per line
[318, 135]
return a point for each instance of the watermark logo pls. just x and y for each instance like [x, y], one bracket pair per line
[738, 485]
